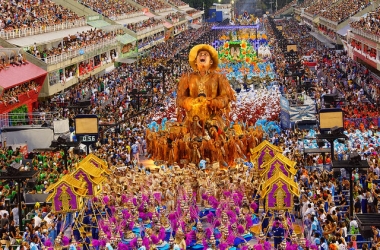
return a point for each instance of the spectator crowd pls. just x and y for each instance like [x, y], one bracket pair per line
[370, 23]
[154, 5]
[112, 9]
[150, 23]
[28, 14]
[343, 10]
[75, 42]
[175, 17]
[177, 3]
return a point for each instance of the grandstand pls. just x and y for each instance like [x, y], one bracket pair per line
[75, 39]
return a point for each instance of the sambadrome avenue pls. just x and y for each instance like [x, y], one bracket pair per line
[189, 125]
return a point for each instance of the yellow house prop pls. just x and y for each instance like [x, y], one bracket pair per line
[91, 175]
[263, 153]
[279, 163]
[96, 162]
[278, 192]
[67, 194]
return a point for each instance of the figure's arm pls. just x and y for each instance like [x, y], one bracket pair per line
[183, 97]
[225, 93]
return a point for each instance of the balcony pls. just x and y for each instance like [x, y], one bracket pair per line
[126, 16]
[366, 34]
[163, 10]
[366, 56]
[308, 15]
[149, 31]
[83, 53]
[332, 25]
[23, 98]
[17, 33]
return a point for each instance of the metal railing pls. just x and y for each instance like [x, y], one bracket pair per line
[163, 10]
[126, 16]
[23, 32]
[34, 118]
[366, 34]
[147, 30]
[51, 60]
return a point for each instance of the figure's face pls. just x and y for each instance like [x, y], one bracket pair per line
[204, 60]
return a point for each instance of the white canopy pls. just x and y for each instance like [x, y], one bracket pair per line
[133, 20]
[48, 37]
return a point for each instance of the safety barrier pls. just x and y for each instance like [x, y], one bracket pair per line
[30, 31]
[51, 60]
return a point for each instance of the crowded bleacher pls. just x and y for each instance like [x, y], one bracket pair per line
[175, 17]
[286, 7]
[317, 7]
[150, 23]
[114, 9]
[343, 10]
[74, 43]
[370, 23]
[192, 12]
[154, 5]
[10, 96]
[177, 3]
[31, 14]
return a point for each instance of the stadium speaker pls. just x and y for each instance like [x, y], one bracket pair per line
[355, 158]
[335, 130]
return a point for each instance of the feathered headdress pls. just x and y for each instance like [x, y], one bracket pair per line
[248, 221]
[133, 243]
[154, 239]
[162, 234]
[124, 198]
[193, 213]
[190, 236]
[48, 243]
[106, 199]
[240, 229]
[205, 245]
[204, 196]
[157, 197]
[145, 242]
[65, 241]
[254, 206]
[232, 216]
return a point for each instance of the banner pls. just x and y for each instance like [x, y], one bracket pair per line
[298, 113]
[284, 103]
[285, 119]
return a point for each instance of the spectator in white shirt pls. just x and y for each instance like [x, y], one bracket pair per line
[37, 220]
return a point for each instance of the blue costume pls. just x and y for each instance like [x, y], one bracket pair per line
[95, 230]
[278, 234]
